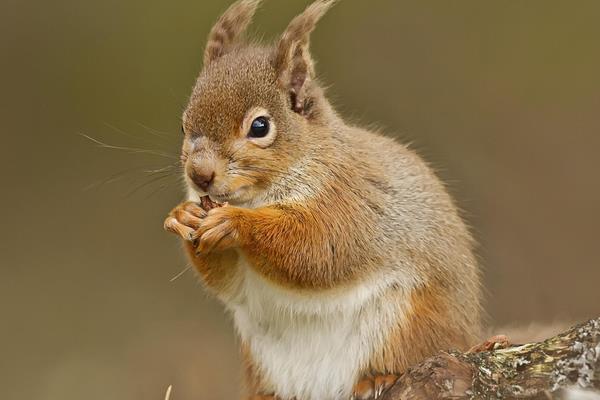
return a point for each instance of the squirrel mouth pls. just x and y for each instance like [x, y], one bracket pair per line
[229, 197]
[223, 197]
[219, 198]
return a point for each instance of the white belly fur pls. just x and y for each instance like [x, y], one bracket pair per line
[314, 346]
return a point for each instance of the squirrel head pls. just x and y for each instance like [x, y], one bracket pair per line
[255, 109]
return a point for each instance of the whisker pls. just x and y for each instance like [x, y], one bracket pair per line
[155, 132]
[180, 274]
[168, 393]
[149, 182]
[157, 190]
[112, 178]
[163, 169]
[118, 130]
[133, 150]
[123, 174]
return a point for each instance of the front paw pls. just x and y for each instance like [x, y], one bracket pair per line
[218, 231]
[185, 219]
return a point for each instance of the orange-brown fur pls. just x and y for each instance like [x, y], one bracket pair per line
[323, 207]
[427, 324]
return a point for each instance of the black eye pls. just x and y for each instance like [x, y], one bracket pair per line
[259, 128]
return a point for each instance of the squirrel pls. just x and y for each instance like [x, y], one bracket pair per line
[339, 253]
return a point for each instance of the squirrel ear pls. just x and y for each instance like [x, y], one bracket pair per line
[228, 28]
[293, 62]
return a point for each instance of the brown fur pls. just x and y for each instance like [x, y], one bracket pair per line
[224, 35]
[324, 205]
[428, 324]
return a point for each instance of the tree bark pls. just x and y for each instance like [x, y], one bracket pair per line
[530, 371]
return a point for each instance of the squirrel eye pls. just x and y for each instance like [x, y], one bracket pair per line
[259, 128]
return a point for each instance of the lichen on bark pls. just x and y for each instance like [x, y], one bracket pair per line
[528, 371]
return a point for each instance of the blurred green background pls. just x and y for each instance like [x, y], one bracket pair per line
[503, 98]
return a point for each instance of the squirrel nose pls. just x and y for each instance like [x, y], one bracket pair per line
[202, 179]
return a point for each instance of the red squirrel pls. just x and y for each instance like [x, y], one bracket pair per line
[338, 251]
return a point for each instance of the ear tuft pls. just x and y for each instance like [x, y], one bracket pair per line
[293, 62]
[228, 28]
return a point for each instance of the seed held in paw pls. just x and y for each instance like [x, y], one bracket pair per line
[207, 204]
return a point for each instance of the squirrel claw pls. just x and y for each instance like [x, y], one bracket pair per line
[493, 343]
[217, 231]
[373, 387]
[185, 219]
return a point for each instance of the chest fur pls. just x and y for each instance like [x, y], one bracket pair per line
[311, 346]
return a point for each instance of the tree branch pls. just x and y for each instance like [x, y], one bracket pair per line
[529, 371]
